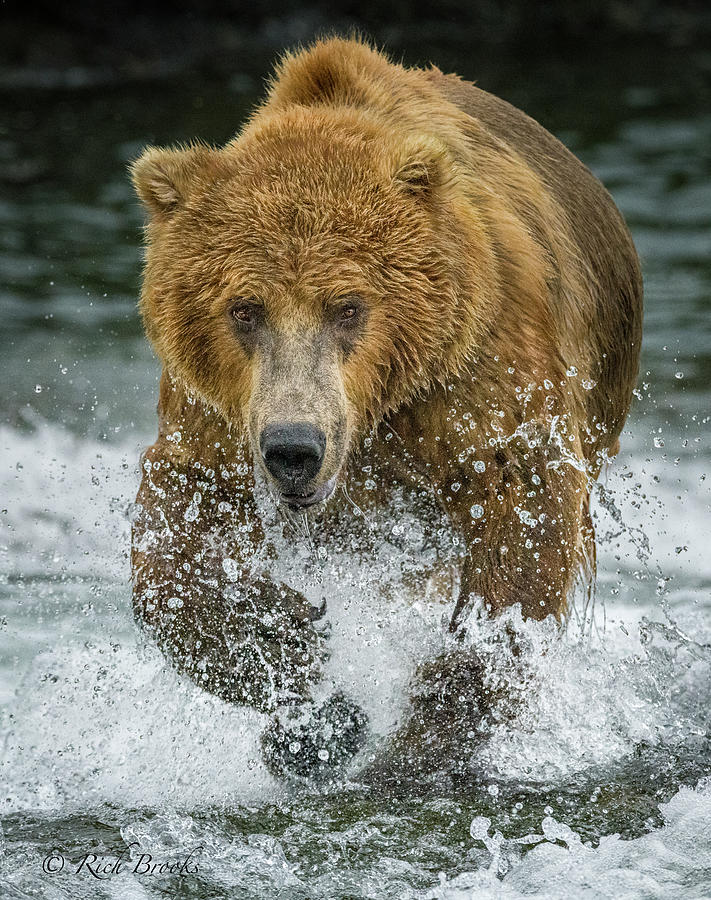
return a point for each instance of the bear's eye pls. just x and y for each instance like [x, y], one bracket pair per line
[245, 314]
[348, 312]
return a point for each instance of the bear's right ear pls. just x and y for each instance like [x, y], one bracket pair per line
[163, 178]
[422, 166]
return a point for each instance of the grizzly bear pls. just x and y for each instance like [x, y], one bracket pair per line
[390, 283]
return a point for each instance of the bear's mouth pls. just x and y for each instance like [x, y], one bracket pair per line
[303, 501]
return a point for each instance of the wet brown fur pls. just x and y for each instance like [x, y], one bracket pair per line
[491, 262]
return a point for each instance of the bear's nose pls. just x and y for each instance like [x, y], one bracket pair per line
[293, 453]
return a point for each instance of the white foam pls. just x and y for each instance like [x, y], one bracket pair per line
[107, 723]
[65, 499]
[672, 862]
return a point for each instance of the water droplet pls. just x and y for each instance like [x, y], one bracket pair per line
[678, 375]
[479, 465]
[455, 487]
[323, 754]
[658, 443]
[38, 389]
[536, 479]
[479, 829]
[369, 485]
[230, 568]
[571, 372]
[134, 511]
[476, 511]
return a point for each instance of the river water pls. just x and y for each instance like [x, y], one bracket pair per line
[602, 787]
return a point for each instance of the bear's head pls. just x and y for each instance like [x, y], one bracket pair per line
[309, 278]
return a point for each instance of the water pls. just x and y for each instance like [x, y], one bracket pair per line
[600, 788]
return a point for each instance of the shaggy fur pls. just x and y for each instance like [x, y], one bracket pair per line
[500, 322]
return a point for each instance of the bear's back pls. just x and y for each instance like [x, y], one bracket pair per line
[598, 230]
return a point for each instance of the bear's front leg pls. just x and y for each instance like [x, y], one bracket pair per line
[200, 587]
[522, 511]
[252, 643]
[527, 530]
[448, 700]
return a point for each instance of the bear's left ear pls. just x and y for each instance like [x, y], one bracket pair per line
[163, 179]
[422, 167]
